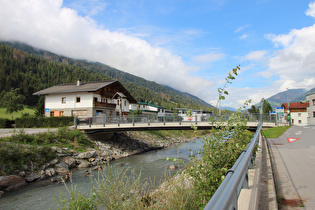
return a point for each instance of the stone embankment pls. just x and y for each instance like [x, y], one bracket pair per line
[118, 146]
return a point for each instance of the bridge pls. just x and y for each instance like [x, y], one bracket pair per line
[140, 123]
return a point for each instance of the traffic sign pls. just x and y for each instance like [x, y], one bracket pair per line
[290, 140]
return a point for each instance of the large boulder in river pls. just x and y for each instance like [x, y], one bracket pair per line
[62, 168]
[11, 183]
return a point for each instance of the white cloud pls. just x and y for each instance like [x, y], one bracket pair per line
[209, 57]
[48, 25]
[294, 63]
[241, 28]
[258, 55]
[311, 10]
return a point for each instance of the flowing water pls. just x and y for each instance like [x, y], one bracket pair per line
[41, 194]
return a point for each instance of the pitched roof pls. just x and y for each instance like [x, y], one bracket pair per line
[85, 87]
[297, 105]
[71, 88]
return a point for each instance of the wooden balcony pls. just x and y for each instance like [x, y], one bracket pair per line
[106, 105]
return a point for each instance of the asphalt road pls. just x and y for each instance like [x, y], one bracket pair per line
[293, 160]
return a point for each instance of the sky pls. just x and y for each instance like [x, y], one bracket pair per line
[189, 45]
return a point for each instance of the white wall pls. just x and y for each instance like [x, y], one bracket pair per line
[300, 118]
[55, 101]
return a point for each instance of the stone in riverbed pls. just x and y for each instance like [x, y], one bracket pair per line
[12, 182]
[87, 155]
[84, 164]
[32, 177]
[71, 162]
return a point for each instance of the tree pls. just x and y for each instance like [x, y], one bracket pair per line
[253, 109]
[266, 107]
[39, 110]
[13, 102]
[228, 80]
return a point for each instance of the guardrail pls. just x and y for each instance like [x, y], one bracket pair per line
[227, 194]
[104, 120]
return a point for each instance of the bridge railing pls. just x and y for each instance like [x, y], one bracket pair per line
[150, 119]
[226, 196]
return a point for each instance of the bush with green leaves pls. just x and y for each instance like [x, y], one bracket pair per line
[43, 122]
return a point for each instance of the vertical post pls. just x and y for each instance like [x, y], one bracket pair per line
[180, 120]
[104, 120]
[163, 120]
[148, 120]
[196, 119]
[90, 122]
[75, 122]
[133, 120]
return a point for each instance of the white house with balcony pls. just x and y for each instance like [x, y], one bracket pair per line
[86, 100]
[150, 109]
[192, 115]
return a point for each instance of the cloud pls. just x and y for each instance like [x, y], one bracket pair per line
[311, 10]
[209, 57]
[50, 26]
[256, 55]
[241, 28]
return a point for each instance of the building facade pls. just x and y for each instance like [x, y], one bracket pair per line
[298, 112]
[85, 100]
[311, 109]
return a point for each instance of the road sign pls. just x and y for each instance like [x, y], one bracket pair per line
[280, 110]
[290, 140]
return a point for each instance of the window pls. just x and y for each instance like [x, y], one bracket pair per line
[313, 102]
[299, 114]
[78, 99]
[300, 121]
[313, 114]
[125, 103]
[63, 100]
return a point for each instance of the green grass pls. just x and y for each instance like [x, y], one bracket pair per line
[274, 132]
[27, 110]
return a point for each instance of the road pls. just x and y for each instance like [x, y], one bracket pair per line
[293, 160]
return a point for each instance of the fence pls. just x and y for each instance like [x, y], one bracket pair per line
[236, 178]
[150, 119]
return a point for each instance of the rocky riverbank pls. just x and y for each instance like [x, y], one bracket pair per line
[118, 146]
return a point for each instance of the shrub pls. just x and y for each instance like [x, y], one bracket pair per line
[43, 122]
[5, 123]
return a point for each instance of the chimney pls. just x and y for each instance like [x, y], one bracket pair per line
[79, 82]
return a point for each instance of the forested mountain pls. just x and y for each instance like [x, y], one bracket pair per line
[291, 95]
[29, 70]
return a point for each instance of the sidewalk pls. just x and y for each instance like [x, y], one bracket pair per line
[293, 163]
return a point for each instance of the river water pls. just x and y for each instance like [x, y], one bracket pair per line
[153, 165]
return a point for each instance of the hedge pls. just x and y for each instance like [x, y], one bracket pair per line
[43, 122]
[5, 123]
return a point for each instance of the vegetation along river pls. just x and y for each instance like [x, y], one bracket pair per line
[153, 165]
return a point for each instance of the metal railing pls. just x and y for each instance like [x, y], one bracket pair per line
[150, 119]
[226, 196]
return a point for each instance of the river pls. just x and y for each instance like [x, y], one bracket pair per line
[153, 165]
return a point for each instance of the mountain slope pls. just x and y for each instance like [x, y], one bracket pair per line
[41, 69]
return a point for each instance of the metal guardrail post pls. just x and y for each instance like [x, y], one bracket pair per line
[104, 120]
[163, 120]
[75, 122]
[90, 122]
[133, 120]
[148, 120]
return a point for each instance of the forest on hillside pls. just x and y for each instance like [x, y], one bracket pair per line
[30, 71]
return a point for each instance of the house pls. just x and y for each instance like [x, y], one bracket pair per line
[298, 112]
[192, 115]
[87, 99]
[311, 109]
[150, 109]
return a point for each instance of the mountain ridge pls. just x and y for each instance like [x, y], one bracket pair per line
[139, 87]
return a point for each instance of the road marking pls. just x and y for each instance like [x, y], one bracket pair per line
[298, 133]
[290, 140]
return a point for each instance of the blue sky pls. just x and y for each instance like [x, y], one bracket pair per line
[188, 45]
